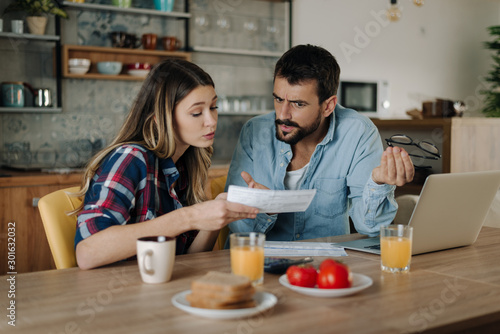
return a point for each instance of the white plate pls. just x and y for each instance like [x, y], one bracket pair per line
[138, 73]
[359, 282]
[264, 302]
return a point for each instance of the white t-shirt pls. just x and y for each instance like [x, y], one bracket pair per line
[293, 179]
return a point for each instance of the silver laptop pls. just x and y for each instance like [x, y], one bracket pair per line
[450, 212]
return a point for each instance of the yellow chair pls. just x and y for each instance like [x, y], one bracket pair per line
[60, 228]
[216, 187]
[406, 204]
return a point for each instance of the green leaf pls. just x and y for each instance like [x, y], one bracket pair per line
[36, 7]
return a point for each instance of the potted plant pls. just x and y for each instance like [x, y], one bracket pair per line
[37, 11]
[492, 95]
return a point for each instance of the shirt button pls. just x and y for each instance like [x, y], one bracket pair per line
[281, 164]
[297, 235]
[289, 153]
[281, 151]
[268, 220]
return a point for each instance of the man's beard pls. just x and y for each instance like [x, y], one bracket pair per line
[296, 134]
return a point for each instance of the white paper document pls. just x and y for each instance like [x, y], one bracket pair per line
[272, 201]
[294, 248]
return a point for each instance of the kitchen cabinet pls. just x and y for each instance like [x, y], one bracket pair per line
[18, 43]
[131, 10]
[466, 144]
[18, 209]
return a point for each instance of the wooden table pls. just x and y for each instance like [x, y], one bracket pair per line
[449, 291]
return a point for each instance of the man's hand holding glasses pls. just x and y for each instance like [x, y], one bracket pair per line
[396, 167]
[431, 151]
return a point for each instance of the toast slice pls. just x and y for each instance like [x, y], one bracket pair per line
[223, 282]
[210, 304]
[217, 290]
[224, 296]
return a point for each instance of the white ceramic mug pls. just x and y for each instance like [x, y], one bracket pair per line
[17, 26]
[156, 257]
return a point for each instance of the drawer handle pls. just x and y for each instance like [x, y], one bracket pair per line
[35, 201]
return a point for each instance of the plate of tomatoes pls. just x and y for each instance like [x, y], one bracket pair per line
[333, 279]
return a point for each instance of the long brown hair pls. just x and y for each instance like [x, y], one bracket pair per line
[150, 124]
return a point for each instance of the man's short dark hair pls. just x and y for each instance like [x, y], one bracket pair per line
[304, 63]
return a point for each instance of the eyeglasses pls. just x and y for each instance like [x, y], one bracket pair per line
[425, 146]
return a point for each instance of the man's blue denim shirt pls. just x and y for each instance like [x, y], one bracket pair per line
[340, 170]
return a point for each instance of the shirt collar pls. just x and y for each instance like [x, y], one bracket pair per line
[331, 129]
[172, 174]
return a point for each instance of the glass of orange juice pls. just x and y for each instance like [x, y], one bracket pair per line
[395, 248]
[247, 255]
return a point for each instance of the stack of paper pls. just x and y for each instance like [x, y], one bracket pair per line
[294, 248]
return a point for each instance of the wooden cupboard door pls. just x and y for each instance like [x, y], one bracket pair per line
[475, 144]
[32, 252]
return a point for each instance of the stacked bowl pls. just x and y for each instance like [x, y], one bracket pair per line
[138, 69]
[78, 65]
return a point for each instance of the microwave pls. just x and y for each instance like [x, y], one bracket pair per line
[370, 98]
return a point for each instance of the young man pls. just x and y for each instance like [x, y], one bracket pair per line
[311, 142]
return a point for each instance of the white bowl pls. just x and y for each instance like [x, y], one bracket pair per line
[138, 73]
[78, 70]
[79, 62]
[79, 66]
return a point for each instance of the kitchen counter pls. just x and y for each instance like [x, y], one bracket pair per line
[65, 176]
[19, 216]
[19, 178]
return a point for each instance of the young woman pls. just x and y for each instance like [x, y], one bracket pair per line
[149, 181]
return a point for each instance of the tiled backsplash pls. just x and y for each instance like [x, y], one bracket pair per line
[93, 110]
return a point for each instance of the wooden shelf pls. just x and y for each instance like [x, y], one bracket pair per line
[131, 10]
[240, 52]
[98, 76]
[412, 123]
[43, 38]
[126, 56]
[244, 113]
[37, 110]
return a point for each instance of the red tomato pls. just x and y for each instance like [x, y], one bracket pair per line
[326, 263]
[302, 275]
[334, 275]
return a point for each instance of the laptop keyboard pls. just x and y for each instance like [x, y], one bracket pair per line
[373, 247]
